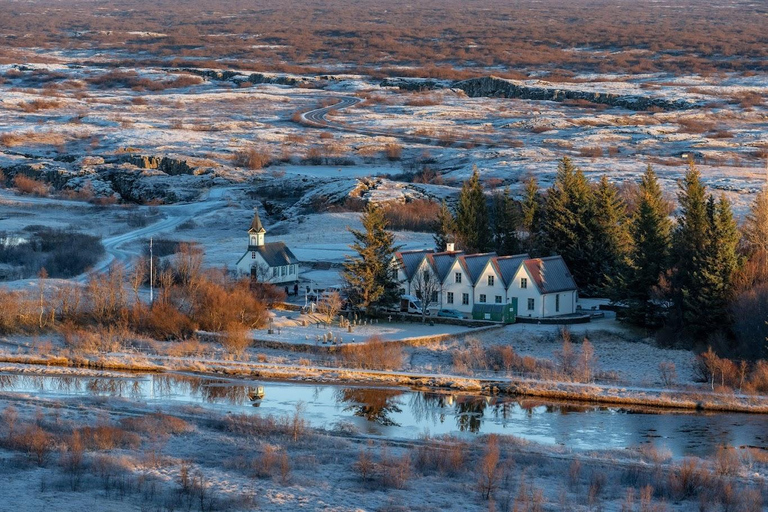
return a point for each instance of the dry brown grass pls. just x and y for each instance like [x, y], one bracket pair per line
[374, 354]
[12, 139]
[252, 158]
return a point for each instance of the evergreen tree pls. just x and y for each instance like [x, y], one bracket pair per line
[705, 247]
[706, 302]
[650, 230]
[530, 212]
[472, 223]
[610, 240]
[370, 276]
[566, 227]
[445, 227]
[505, 221]
[690, 241]
[756, 224]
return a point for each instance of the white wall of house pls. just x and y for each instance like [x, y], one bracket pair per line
[458, 289]
[485, 290]
[530, 292]
[275, 275]
[567, 303]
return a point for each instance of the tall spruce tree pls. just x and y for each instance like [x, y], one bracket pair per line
[445, 228]
[705, 247]
[370, 275]
[650, 230]
[756, 224]
[566, 227]
[505, 222]
[610, 240]
[530, 213]
[472, 223]
[690, 240]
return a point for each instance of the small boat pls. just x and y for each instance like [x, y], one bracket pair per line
[256, 393]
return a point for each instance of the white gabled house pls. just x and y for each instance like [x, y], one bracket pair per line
[271, 262]
[543, 287]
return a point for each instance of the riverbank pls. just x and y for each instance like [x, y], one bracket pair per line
[607, 394]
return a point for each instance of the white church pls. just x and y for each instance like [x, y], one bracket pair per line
[270, 262]
[542, 287]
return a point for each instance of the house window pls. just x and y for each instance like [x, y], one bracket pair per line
[531, 304]
[557, 302]
[282, 271]
[490, 280]
[465, 299]
[457, 277]
[523, 282]
[434, 296]
[253, 255]
[274, 271]
[482, 297]
[449, 298]
[498, 299]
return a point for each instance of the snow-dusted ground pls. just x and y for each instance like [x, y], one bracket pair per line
[288, 329]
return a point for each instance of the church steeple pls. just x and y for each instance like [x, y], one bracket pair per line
[256, 232]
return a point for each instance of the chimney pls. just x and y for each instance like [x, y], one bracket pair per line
[449, 247]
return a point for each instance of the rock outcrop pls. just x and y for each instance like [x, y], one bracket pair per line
[498, 87]
[494, 87]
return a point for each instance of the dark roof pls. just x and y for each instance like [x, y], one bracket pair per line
[508, 265]
[410, 261]
[442, 262]
[475, 263]
[275, 254]
[256, 225]
[550, 274]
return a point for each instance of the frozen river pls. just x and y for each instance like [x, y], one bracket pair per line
[402, 413]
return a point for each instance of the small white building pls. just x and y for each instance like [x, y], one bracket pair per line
[543, 287]
[271, 262]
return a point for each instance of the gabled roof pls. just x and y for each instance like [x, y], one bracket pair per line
[410, 261]
[256, 225]
[442, 262]
[475, 263]
[507, 267]
[276, 254]
[550, 274]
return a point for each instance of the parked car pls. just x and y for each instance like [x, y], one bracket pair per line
[450, 313]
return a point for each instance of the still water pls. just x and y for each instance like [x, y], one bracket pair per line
[403, 413]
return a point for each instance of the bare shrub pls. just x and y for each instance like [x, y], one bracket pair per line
[446, 456]
[364, 466]
[488, 472]
[668, 373]
[417, 215]
[591, 152]
[395, 472]
[35, 441]
[27, 185]
[393, 151]
[236, 339]
[251, 158]
[72, 460]
[688, 478]
[40, 104]
[108, 437]
[373, 354]
[156, 424]
[727, 461]
[329, 306]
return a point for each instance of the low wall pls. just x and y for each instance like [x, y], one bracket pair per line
[570, 320]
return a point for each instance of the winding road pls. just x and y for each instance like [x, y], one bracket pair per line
[317, 119]
[173, 216]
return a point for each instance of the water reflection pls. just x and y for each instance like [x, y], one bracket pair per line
[375, 405]
[405, 413]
